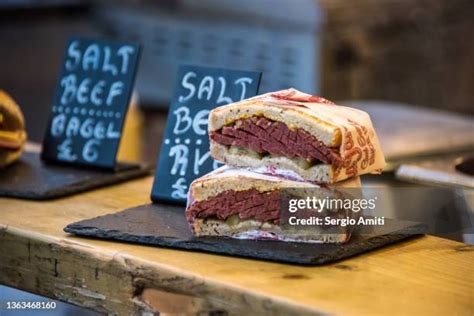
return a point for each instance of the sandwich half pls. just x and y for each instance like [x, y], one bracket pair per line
[241, 203]
[291, 130]
[12, 130]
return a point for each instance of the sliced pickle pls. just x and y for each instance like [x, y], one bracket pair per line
[236, 150]
[303, 163]
[233, 220]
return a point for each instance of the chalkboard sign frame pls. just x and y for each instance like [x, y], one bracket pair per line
[109, 163]
[162, 178]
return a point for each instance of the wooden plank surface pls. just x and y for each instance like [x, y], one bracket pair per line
[421, 276]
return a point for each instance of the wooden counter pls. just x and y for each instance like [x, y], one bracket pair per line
[422, 276]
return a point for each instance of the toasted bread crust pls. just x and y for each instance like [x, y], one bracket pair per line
[214, 183]
[215, 227]
[204, 188]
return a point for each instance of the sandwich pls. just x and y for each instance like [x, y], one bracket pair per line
[288, 129]
[248, 204]
[12, 130]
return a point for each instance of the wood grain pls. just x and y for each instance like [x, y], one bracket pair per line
[424, 276]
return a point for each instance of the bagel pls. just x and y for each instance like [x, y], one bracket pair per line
[12, 130]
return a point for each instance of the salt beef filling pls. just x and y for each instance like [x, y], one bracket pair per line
[249, 204]
[266, 136]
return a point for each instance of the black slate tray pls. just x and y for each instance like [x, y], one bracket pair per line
[165, 225]
[31, 178]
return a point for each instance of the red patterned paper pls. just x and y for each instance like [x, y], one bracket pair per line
[295, 95]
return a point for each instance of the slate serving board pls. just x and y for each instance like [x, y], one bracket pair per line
[31, 178]
[166, 226]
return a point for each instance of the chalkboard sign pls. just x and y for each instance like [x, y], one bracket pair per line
[184, 153]
[91, 102]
